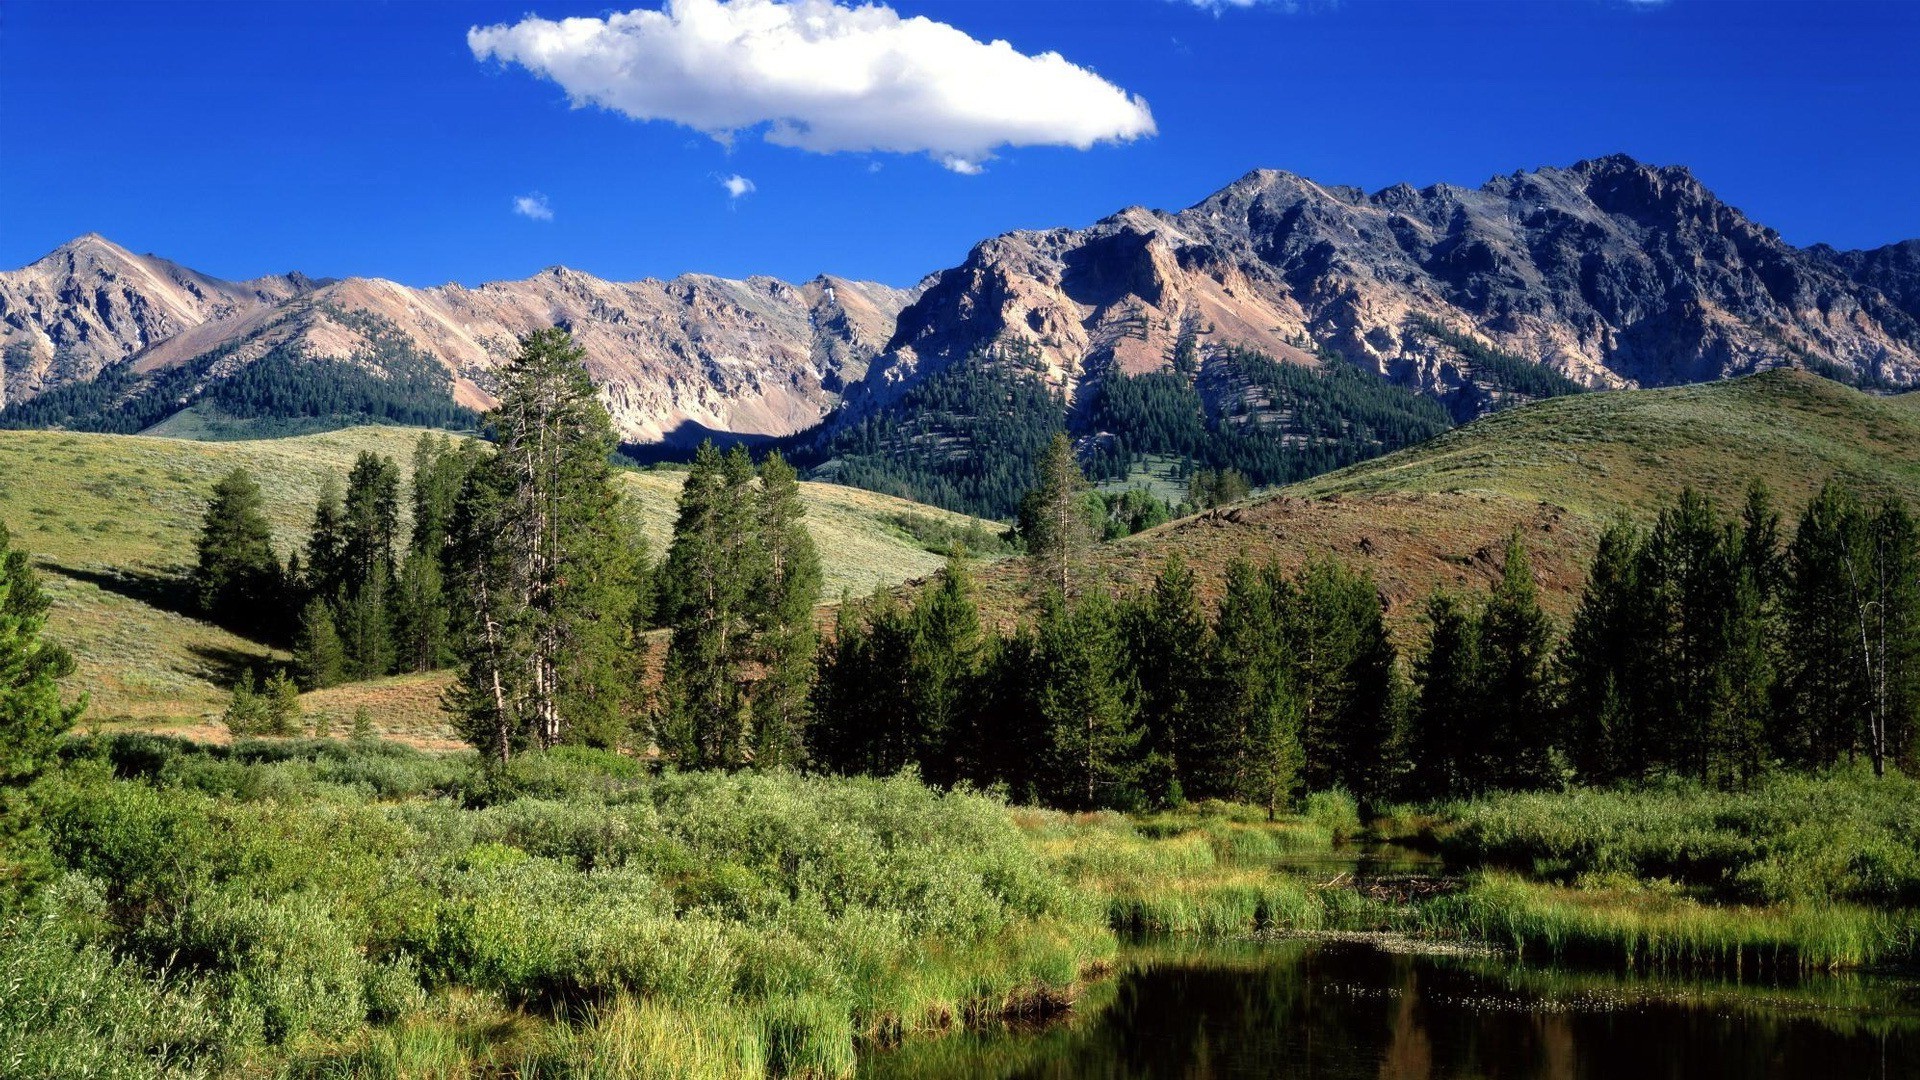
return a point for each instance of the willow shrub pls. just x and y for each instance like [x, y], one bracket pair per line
[315, 894]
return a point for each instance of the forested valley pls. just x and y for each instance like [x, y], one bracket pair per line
[708, 826]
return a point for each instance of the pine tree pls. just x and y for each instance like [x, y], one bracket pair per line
[1600, 665]
[1248, 743]
[707, 586]
[546, 564]
[1514, 640]
[1170, 653]
[370, 525]
[319, 660]
[237, 577]
[280, 705]
[1826, 692]
[1342, 667]
[865, 721]
[32, 718]
[326, 567]
[787, 596]
[1055, 521]
[246, 710]
[1450, 741]
[943, 675]
[439, 471]
[1887, 590]
[1083, 705]
[420, 615]
[366, 629]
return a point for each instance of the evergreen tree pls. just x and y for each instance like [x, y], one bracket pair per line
[32, 718]
[440, 469]
[1342, 668]
[1449, 739]
[1687, 577]
[280, 705]
[1887, 591]
[1055, 522]
[326, 567]
[1170, 654]
[863, 698]
[1600, 666]
[319, 659]
[1826, 691]
[370, 525]
[707, 587]
[420, 615]
[1248, 743]
[1514, 638]
[546, 564]
[246, 709]
[787, 596]
[943, 673]
[366, 629]
[1084, 707]
[237, 577]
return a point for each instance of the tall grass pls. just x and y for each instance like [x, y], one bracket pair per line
[1847, 837]
[1650, 929]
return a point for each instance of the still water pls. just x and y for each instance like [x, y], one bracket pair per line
[1337, 1010]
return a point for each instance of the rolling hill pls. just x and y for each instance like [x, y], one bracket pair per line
[1437, 515]
[112, 519]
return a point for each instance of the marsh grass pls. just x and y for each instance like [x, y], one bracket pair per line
[1656, 930]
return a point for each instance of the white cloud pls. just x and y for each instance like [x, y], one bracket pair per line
[736, 185]
[533, 205]
[821, 77]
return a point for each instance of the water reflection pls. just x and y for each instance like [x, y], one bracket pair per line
[1340, 1010]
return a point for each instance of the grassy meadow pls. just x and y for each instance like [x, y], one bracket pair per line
[111, 520]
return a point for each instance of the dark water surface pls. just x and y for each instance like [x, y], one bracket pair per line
[1338, 1010]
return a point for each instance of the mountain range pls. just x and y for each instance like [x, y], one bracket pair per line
[1149, 333]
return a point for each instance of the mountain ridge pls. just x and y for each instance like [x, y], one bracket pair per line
[1609, 272]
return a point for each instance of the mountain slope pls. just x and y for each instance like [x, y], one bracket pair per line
[674, 359]
[90, 304]
[1437, 515]
[112, 520]
[1610, 272]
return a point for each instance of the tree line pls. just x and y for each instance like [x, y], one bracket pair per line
[1708, 646]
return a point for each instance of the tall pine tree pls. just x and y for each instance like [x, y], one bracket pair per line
[547, 565]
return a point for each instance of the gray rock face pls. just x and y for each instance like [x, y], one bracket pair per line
[1611, 272]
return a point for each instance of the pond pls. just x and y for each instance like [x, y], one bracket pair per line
[1336, 1009]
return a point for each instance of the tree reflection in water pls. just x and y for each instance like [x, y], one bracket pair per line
[1341, 1011]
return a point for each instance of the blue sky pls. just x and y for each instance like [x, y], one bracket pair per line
[364, 138]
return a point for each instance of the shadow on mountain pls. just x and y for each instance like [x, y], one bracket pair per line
[168, 592]
[680, 441]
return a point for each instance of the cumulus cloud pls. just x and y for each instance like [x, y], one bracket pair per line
[533, 206]
[821, 77]
[736, 185]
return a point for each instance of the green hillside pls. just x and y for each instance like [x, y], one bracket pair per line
[112, 521]
[1437, 514]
